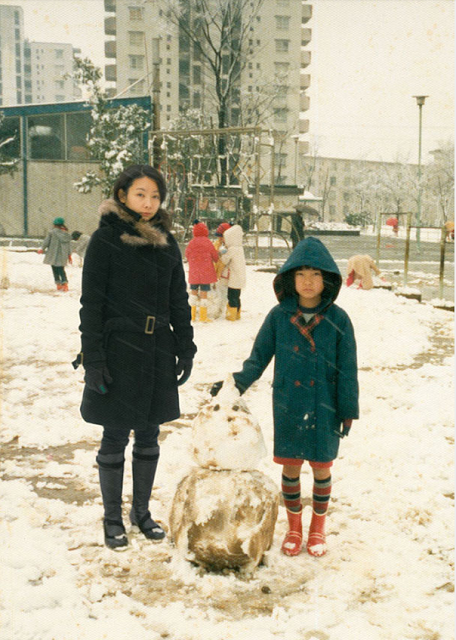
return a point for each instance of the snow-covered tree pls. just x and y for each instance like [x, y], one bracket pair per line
[116, 136]
[8, 163]
[439, 183]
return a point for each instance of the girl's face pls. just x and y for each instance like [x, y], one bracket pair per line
[309, 286]
[143, 197]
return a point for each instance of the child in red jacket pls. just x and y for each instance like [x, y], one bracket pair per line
[202, 257]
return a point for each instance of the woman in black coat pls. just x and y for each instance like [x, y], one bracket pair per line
[137, 340]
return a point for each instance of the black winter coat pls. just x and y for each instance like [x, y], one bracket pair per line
[135, 317]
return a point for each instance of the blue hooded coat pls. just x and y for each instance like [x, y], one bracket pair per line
[314, 390]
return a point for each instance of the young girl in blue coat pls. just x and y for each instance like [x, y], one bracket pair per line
[315, 386]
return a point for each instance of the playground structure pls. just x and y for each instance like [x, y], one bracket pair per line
[409, 226]
[220, 174]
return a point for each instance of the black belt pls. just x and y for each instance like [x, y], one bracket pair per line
[143, 324]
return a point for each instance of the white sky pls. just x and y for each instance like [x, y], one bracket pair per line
[369, 57]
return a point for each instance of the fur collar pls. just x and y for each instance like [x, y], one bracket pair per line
[148, 232]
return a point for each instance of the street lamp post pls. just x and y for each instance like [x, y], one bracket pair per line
[420, 102]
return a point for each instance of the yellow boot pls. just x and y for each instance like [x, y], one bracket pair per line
[203, 315]
[231, 313]
[193, 314]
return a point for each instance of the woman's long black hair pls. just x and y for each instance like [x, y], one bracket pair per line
[132, 173]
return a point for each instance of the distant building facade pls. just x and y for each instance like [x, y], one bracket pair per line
[141, 44]
[48, 67]
[11, 55]
[346, 186]
[32, 72]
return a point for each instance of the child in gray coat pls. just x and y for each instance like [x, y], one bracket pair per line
[56, 246]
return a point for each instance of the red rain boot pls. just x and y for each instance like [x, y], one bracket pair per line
[316, 542]
[292, 543]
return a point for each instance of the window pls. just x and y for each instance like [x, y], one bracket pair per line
[59, 54]
[136, 38]
[196, 75]
[45, 137]
[282, 23]
[59, 98]
[59, 69]
[60, 84]
[332, 211]
[347, 196]
[77, 129]
[136, 62]
[281, 69]
[283, 3]
[282, 46]
[280, 115]
[10, 128]
[332, 181]
[136, 13]
[347, 182]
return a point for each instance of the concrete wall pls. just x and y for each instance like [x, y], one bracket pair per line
[50, 193]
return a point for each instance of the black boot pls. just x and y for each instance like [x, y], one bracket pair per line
[111, 469]
[144, 466]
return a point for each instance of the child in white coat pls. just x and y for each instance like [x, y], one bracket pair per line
[234, 260]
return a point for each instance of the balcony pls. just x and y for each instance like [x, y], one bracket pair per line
[306, 36]
[110, 26]
[306, 58]
[304, 103]
[110, 49]
[306, 13]
[111, 72]
[110, 6]
[303, 126]
[304, 81]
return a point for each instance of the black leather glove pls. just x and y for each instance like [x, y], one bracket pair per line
[97, 377]
[218, 385]
[216, 388]
[183, 369]
[344, 428]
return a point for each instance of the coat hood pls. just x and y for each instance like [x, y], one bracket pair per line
[136, 232]
[311, 252]
[233, 236]
[200, 229]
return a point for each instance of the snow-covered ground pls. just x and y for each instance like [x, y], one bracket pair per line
[388, 574]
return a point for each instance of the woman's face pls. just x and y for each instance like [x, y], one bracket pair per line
[143, 197]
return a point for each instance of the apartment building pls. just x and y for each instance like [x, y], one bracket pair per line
[47, 70]
[11, 55]
[149, 55]
[339, 183]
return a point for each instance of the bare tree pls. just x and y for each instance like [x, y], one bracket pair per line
[218, 34]
[439, 183]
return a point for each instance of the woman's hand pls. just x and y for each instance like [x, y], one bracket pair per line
[183, 369]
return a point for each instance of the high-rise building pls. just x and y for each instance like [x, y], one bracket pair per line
[11, 55]
[48, 68]
[152, 56]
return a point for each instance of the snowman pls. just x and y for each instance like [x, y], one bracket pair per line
[224, 512]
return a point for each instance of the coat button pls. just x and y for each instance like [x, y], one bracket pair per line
[297, 383]
[296, 348]
[312, 382]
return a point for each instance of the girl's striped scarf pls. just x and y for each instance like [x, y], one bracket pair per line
[306, 328]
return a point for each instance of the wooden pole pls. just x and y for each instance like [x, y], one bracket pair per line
[442, 261]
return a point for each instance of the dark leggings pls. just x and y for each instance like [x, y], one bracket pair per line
[115, 439]
[59, 274]
[234, 298]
